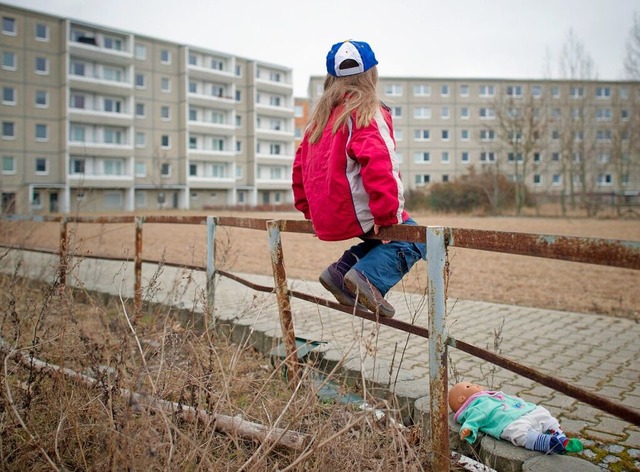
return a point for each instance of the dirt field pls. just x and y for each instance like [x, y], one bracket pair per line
[475, 275]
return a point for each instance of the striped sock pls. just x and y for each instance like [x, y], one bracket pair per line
[543, 443]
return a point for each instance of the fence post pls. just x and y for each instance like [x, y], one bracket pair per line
[64, 249]
[137, 269]
[439, 417]
[211, 269]
[283, 297]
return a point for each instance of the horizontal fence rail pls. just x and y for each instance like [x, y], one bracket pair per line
[615, 253]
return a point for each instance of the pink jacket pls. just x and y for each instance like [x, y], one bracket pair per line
[346, 182]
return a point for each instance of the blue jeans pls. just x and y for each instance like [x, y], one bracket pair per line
[385, 264]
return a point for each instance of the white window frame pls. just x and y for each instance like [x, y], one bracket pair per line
[12, 161]
[422, 90]
[46, 99]
[41, 128]
[14, 60]
[165, 56]
[14, 96]
[6, 21]
[44, 161]
[44, 71]
[44, 38]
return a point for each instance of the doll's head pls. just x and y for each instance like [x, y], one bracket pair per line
[460, 393]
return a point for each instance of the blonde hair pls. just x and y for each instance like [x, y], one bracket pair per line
[355, 92]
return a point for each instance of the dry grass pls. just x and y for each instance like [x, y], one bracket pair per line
[48, 421]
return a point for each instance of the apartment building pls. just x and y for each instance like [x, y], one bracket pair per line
[555, 136]
[97, 119]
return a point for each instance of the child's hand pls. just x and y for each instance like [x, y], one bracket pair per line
[376, 230]
[464, 433]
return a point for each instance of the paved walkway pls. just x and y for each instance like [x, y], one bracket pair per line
[598, 353]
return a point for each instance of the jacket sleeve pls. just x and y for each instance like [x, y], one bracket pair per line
[474, 419]
[374, 149]
[299, 195]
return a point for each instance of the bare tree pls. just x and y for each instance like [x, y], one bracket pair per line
[520, 128]
[577, 137]
[632, 56]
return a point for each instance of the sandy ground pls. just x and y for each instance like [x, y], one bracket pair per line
[476, 275]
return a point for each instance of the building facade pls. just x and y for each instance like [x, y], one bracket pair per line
[555, 136]
[96, 119]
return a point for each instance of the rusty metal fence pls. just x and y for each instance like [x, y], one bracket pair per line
[615, 253]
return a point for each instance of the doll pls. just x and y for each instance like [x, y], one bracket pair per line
[507, 417]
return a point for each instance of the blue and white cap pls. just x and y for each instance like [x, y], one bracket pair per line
[358, 51]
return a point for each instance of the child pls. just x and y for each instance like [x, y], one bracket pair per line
[507, 417]
[346, 181]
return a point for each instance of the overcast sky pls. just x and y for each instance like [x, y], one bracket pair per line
[411, 38]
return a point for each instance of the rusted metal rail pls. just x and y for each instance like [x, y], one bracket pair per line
[616, 253]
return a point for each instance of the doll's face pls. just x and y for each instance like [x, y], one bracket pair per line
[460, 392]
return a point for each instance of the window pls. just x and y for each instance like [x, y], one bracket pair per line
[76, 133]
[444, 113]
[141, 140]
[422, 157]
[398, 134]
[537, 179]
[394, 90]
[487, 157]
[537, 157]
[576, 92]
[77, 68]
[193, 170]
[165, 113]
[555, 91]
[140, 110]
[8, 130]
[165, 84]
[624, 115]
[444, 158]
[8, 60]
[113, 74]
[464, 113]
[603, 114]
[193, 87]
[8, 26]
[77, 166]
[487, 91]
[421, 135]
[555, 156]
[113, 167]
[140, 82]
[396, 112]
[8, 165]
[444, 90]
[556, 180]
[111, 42]
[36, 200]
[112, 136]
[8, 96]
[193, 142]
[164, 141]
[238, 96]
[165, 170]
[603, 92]
[464, 90]
[464, 157]
[487, 135]
[445, 135]
[140, 169]
[77, 101]
[422, 179]
[140, 52]
[623, 92]
[603, 136]
[464, 135]
[42, 99]
[165, 56]
[605, 179]
[445, 177]
[42, 32]
[41, 132]
[514, 90]
[422, 90]
[487, 113]
[42, 167]
[42, 65]
[536, 91]
[422, 113]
